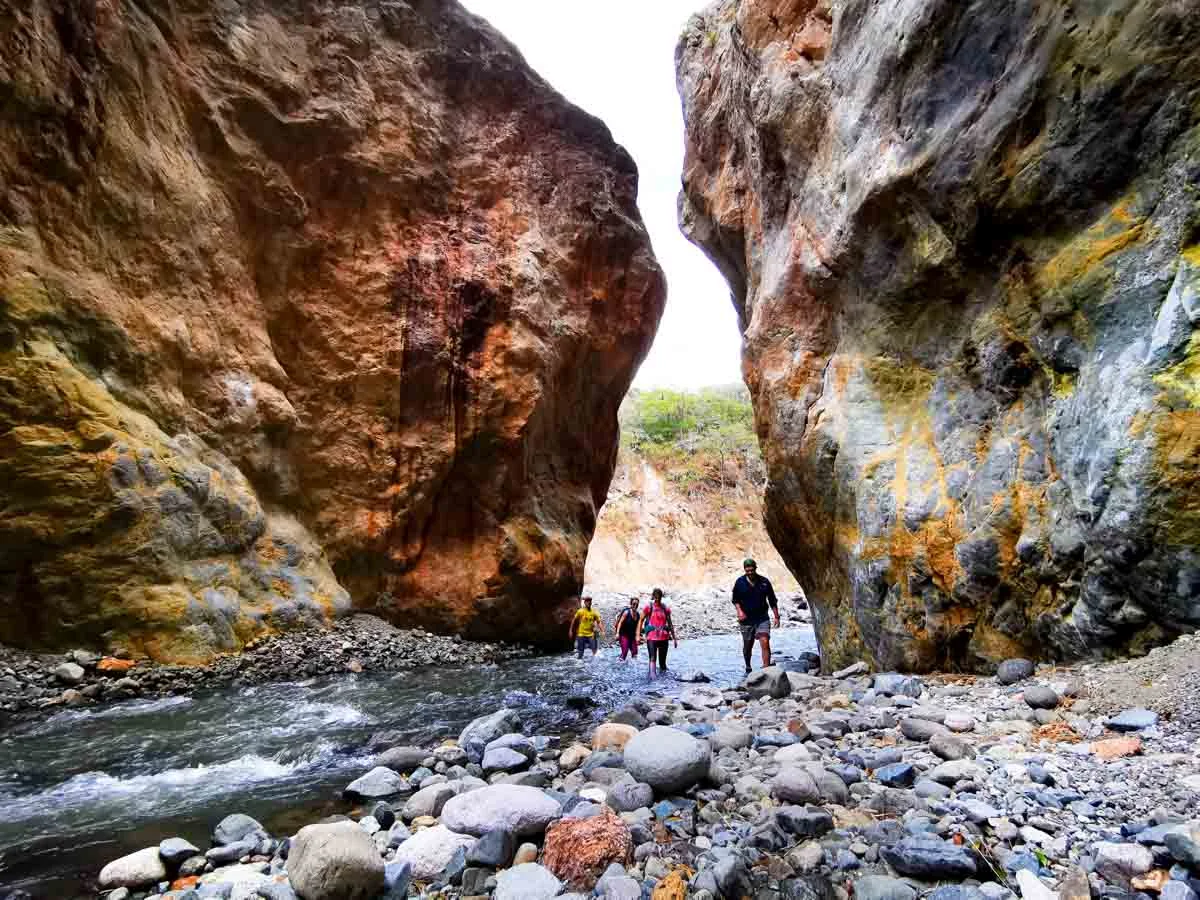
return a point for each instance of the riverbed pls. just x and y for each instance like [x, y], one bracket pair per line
[85, 786]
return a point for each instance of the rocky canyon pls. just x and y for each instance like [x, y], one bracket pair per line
[963, 241]
[304, 307]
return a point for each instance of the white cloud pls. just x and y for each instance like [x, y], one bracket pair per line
[616, 60]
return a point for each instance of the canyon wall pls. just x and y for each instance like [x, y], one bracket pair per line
[303, 307]
[963, 240]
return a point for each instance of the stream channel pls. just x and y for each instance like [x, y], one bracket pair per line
[82, 787]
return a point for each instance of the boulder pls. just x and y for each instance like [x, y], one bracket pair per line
[69, 673]
[626, 796]
[667, 759]
[136, 870]
[516, 742]
[482, 731]
[890, 684]
[733, 735]
[430, 850]
[929, 858]
[577, 851]
[401, 759]
[573, 757]
[1041, 696]
[503, 759]
[612, 736]
[1013, 670]
[338, 861]
[428, 801]
[528, 881]
[880, 887]
[235, 828]
[795, 785]
[520, 810]
[769, 682]
[377, 784]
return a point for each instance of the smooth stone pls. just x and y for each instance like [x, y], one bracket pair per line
[947, 746]
[612, 736]
[795, 785]
[528, 881]
[1040, 696]
[626, 796]
[175, 850]
[482, 731]
[337, 861]
[139, 869]
[888, 684]
[960, 722]
[517, 742]
[667, 759]
[69, 673]
[796, 753]
[880, 887]
[733, 736]
[518, 809]
[1133, 720]
[236, 827]
[920, 729]
[769, 682]
[503, 759]
[1013, 670]
[929, 858]
[380, 782]
[401, 759]
[494, 850]
[526, 853]
[429, 851]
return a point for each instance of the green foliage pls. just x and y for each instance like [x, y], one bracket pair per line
[698, 437]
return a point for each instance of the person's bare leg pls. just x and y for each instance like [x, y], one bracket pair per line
[765, 642]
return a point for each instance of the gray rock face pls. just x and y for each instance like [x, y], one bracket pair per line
[517, 809]
[667, 759]
[335, 862]
[1013, 670]
[972, 279]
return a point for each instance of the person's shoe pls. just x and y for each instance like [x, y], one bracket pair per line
[747, 670]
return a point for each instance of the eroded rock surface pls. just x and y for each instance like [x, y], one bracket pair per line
[962, 239]
[302, 306]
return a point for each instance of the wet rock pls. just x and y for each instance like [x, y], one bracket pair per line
[527, 881]
[377, 784]
[929, 859]
[175, 850]
[667, 759]
[518, 809]
[1013, 670]
[482, 731]
[338, 862]
[135, 870]
[429, 851]
[235, 828]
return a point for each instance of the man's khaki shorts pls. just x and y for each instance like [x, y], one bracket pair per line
[750, 632]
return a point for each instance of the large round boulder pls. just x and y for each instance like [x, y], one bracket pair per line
[515, 808]
[338, 861]
[667, 759]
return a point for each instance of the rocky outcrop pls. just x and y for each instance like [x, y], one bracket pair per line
[302, 307]
[963, 240]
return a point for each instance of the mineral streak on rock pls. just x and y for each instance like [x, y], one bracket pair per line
[963, 241]
[302, 306]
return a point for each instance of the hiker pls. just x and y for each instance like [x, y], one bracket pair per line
[584, 628]
[626, 628]
[752, 594]
[659, 629]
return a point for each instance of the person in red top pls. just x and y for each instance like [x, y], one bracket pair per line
[659, 629]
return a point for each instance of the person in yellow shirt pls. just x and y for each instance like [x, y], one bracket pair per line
[586, 627]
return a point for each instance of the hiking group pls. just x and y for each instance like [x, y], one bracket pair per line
[754, 603]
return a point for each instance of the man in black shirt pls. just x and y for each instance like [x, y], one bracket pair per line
[752, 594]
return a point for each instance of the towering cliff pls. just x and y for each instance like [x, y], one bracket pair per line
[303, 306]
[963, 239]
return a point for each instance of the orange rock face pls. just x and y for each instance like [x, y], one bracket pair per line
[579, 850]
[302, 308]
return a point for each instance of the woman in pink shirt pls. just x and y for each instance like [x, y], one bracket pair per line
[656, 624]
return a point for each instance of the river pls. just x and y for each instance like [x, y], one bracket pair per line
[83, 787]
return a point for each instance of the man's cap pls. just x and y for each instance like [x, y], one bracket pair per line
[749, 562]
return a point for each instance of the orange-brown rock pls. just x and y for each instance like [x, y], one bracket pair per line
[1115, 748]
[303, 306]
[111, 664]
[579, 850]
[673, 887]
[967, 277]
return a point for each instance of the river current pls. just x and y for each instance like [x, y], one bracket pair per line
[83, 787]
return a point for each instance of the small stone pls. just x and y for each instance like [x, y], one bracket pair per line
[949, 747]
[69, 673]
[1133, 720]
[612, 736]
[1040, 696]
[175, 850]
[526, 853]
[897, 774]
[503, 759]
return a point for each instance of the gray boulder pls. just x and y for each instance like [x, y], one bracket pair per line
[494, 849]
[335, 862]
[667, 759]
[69, 673]
[516, 742]
[503, 759]
[930, 859]
[769, 682]
[518, 809]
[889, 684]
[1041, 696]
[626, 796]
[794, 784]
[135, 870]
[1013, 670]
[402, 759]
[380, 782]
[235, 828]
[482, 731]
[428, 852]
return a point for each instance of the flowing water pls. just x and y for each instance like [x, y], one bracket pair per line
[83, 787]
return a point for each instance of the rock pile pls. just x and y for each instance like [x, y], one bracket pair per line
[876, 787]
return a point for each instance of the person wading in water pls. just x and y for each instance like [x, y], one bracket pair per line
[626, 628]
[584, 628]
[752, 594]
[657, 619]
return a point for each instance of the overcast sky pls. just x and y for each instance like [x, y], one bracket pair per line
[616, 60]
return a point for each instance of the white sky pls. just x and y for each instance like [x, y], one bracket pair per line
[616, 60]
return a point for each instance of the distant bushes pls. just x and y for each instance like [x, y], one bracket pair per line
[701, 439]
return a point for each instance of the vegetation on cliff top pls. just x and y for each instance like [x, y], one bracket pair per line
[700, 440]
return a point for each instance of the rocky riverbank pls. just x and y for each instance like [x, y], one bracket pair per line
[31, 682]
[1029, 784]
